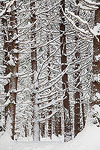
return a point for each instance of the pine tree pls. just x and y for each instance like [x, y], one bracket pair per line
[10, 33]
[34, 96]
[66, 103]
[96, 64]
[77, 84]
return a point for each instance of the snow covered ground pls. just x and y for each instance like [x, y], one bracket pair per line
[88, 139]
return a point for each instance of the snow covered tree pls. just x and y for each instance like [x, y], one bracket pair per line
[47, 56]
[95, 99]
[10, 32]
[77, 82]
[34, 73]
[95, 85]
[66, 103]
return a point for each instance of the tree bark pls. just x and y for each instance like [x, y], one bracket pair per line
[77, 83]
[66, 103]
[95, 99]
[34, 95]
[48, 36]
[11, 62]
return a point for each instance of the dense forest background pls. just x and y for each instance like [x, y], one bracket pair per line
[49, 67]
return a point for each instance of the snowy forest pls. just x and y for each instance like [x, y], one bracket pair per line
[49, 69]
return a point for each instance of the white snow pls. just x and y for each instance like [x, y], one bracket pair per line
[96, 29]
[97, 57]
[7, 102]
[8, 76]
[11, 61]
[88, 139]
[15, 50]
[5, 142]
[91, 2]
[98, 95]
[96, 77]
[97, 110]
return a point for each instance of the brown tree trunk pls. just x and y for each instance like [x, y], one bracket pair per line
[34, 72]
[83, 114]
[77, 84]
[58, 125]
[11, 62]
[50, 107]
[25, 130]
[48, 36]
[66, 103]
[6, 58]
[77, 100]
[95, 99]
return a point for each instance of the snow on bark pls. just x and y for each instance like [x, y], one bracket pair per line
[96, 62]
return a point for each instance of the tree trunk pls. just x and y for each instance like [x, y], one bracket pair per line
[34, 96]
[11, 62]
[66, 103]
[50, 107]
[6, 58]
[48, 36]
[95, 98]
[77, 84]
[83, 114]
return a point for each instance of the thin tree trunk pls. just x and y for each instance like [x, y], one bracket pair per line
[95, 99]
[83, 114]
[25, 130]
[6, 58]
[77, 84]
[49, 73]
[11, 63]
[34, 96]
[66, 103]
[49, 108]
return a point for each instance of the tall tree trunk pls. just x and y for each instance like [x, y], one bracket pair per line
[77, 84]
[66, 103]
[95, 98]
[6, 58]
[50, 107]
[34, 96]
[48, 36]
[83, 114]
[11, 62]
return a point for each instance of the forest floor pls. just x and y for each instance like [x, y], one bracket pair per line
[88, 139]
